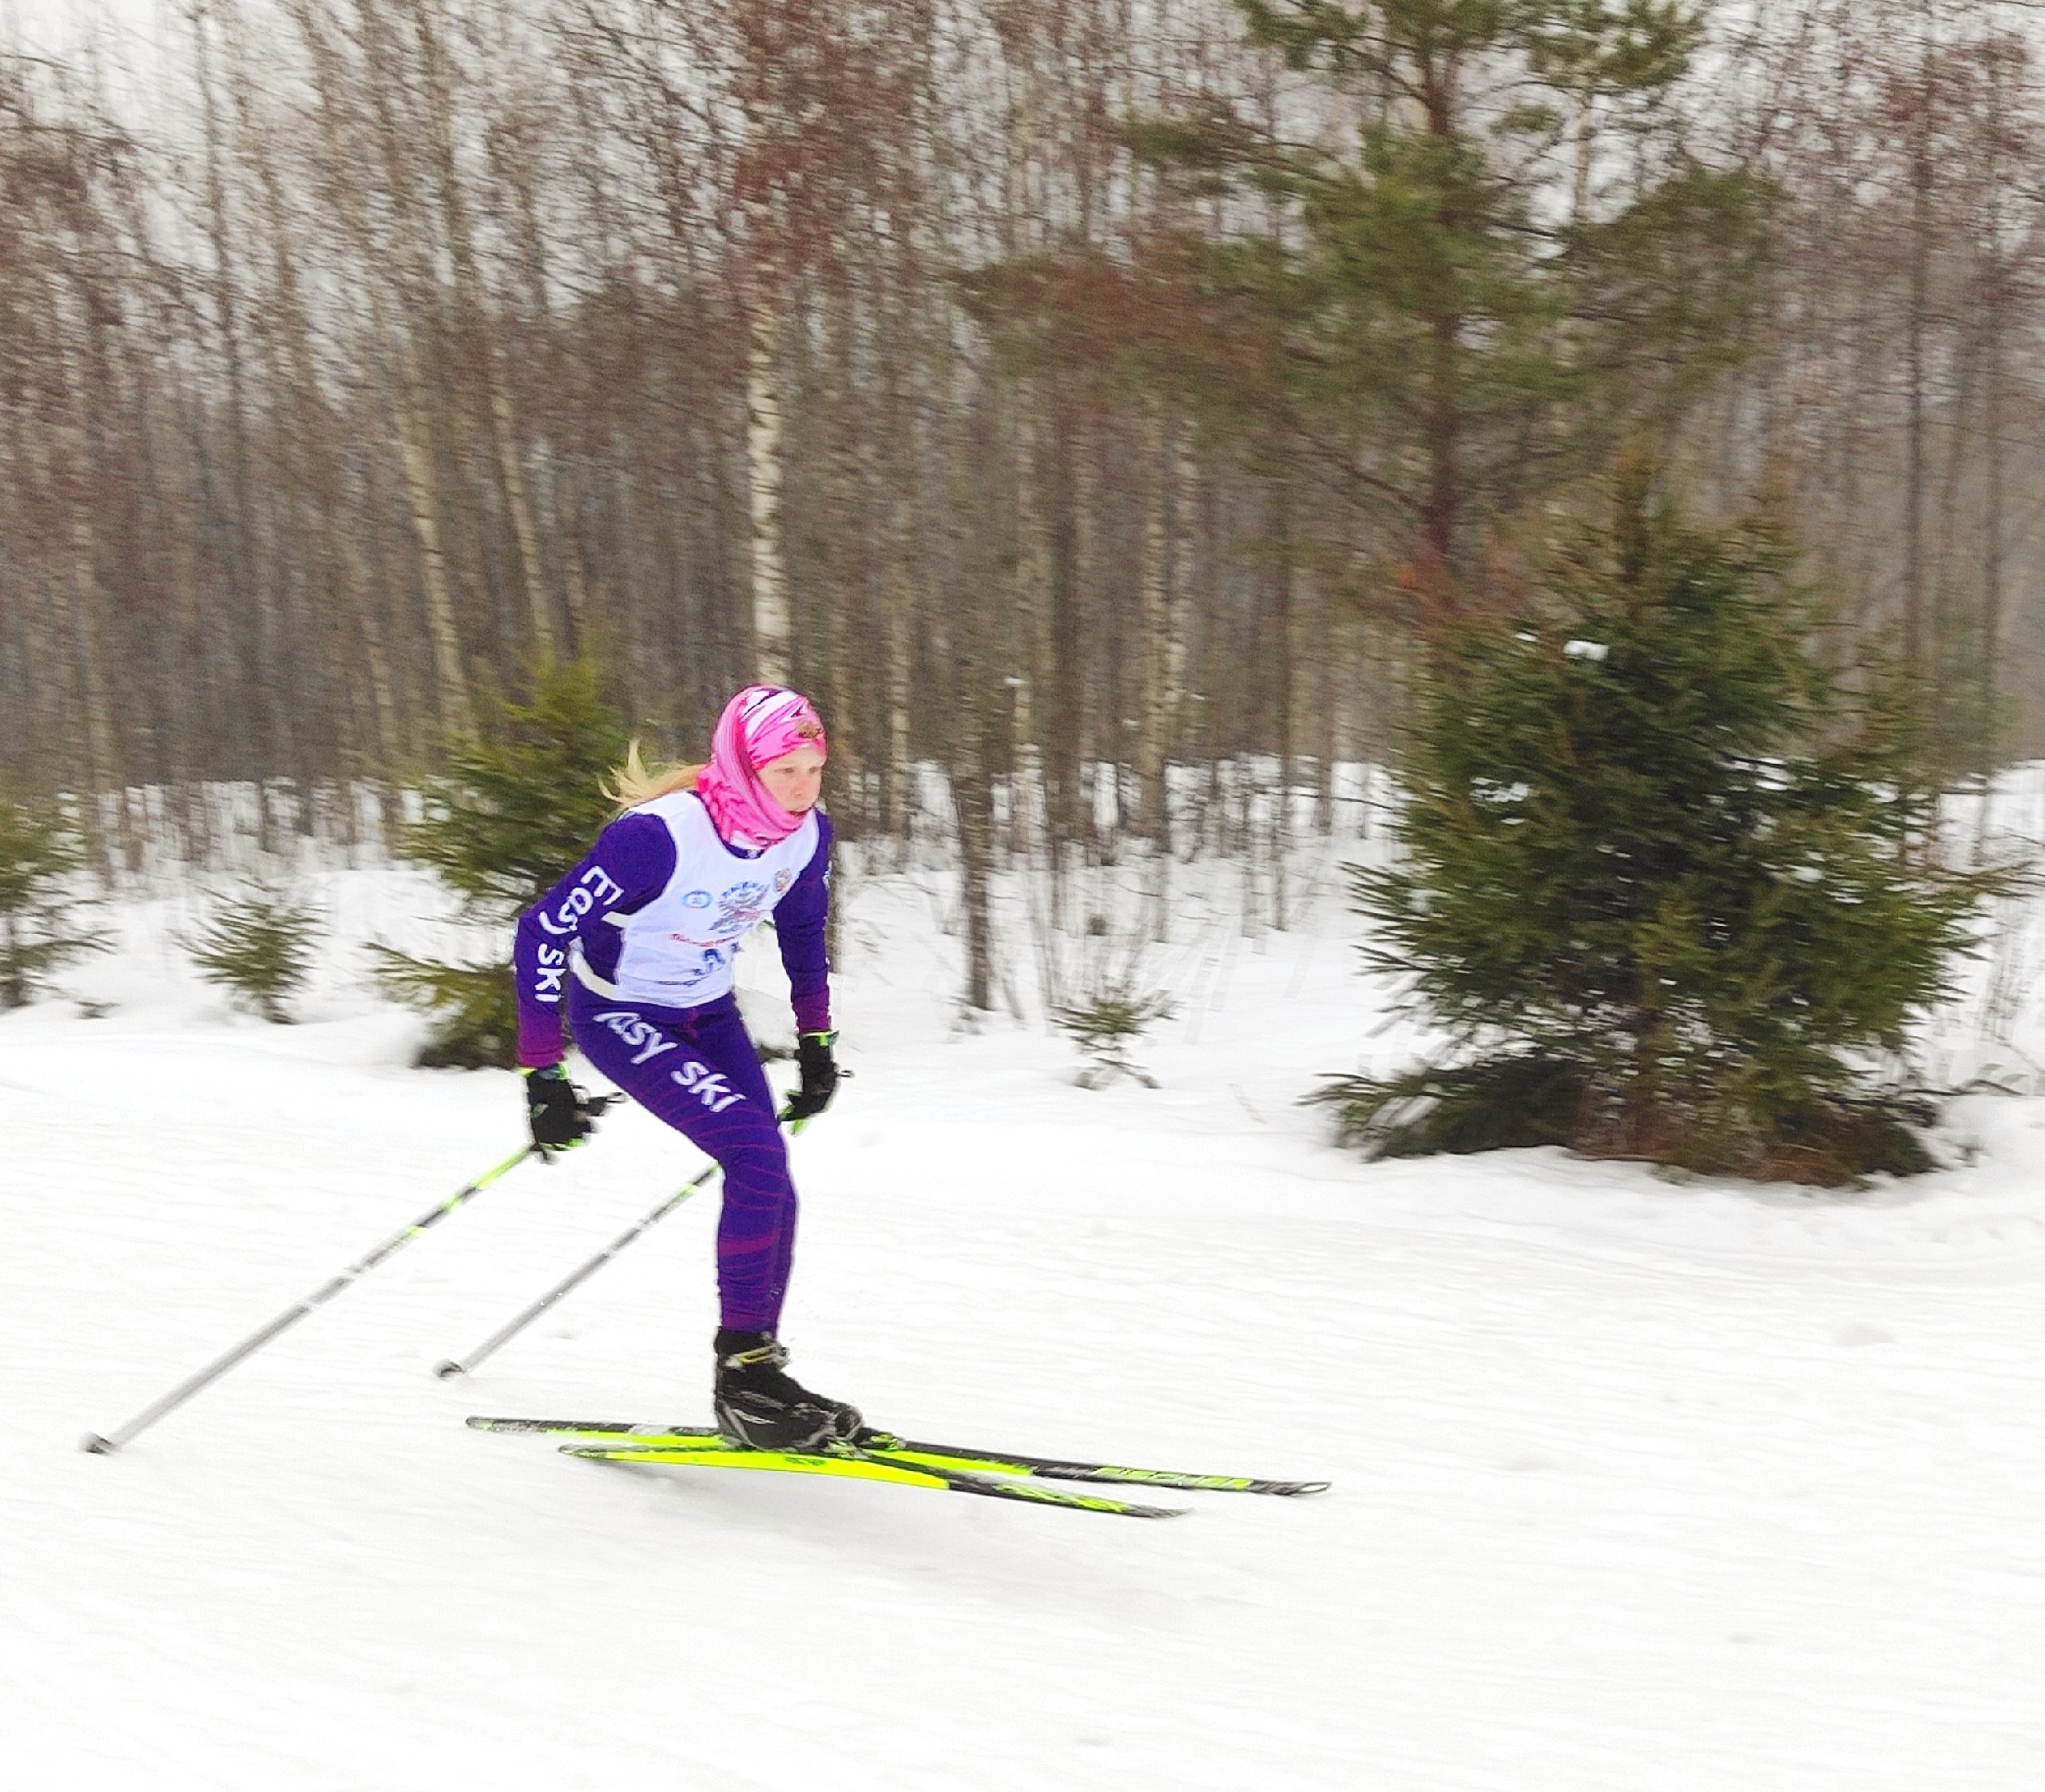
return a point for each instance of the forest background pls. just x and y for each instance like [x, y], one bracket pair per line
[1064, 392]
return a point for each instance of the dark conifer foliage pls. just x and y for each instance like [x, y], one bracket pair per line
[40, 902]
[519, 802]
[260, 945]
[1670, 887]
[1463, 303]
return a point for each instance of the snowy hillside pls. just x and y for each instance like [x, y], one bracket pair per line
[1639, 1486]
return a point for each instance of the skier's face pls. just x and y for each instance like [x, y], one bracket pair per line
[794, 780]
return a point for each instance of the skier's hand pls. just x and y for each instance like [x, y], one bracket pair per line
[819, 1076]
[558, 1111]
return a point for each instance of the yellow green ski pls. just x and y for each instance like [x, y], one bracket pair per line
[847, 1462]
[695, 1441]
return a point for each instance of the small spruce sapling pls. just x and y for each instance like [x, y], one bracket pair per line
[39, 904]
[260, 947]
[516, 806]
[1106, 1027]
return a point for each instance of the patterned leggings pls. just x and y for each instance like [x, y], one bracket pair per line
[697, 1069]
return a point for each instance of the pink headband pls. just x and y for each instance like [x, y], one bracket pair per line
[759, 725]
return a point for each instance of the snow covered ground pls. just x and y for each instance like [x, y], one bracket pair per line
[1640, 1487]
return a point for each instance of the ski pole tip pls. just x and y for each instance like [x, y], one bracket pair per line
[447, 1370]
[94, 1444]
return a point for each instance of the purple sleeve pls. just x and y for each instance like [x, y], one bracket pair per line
[798, 927]
[629, 866]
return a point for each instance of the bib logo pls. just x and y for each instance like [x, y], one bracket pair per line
[742, 908]
[782, 880]
[707, 1085]
[696, 899]
[637, 1032]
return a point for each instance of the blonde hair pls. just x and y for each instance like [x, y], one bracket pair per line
[632, 784]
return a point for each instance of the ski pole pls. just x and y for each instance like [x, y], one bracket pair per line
[107, 1445]
[453, 1366]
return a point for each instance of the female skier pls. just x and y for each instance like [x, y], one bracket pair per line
[639, 940]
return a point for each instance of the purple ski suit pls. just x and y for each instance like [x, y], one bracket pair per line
[692, 1065]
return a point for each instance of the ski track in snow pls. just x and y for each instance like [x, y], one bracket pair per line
[1640, 1487]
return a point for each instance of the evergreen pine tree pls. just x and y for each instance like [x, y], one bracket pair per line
[1106, 1027]
[259, 945]
[517, 806]
[39, 930]
[1669, 885]
[1511, 256]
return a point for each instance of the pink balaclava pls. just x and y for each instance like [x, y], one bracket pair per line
[758, 725]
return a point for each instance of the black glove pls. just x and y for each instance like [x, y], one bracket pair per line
[819, 1076]
[558, 1110]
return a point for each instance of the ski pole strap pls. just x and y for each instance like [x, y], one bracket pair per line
[105, 1445]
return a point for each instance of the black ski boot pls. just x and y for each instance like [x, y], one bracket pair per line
[758, 1402]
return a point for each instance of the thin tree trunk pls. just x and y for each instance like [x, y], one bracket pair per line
[457, 709]
[771, 646]
[1075, 718]
[1293, 601]
[1991, 522]
[972, 802]
[1153, 747]
[246, 577]
[84, 605]
[1917, 325]
[504, 435]
[1441, 508]
[1032, 622]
